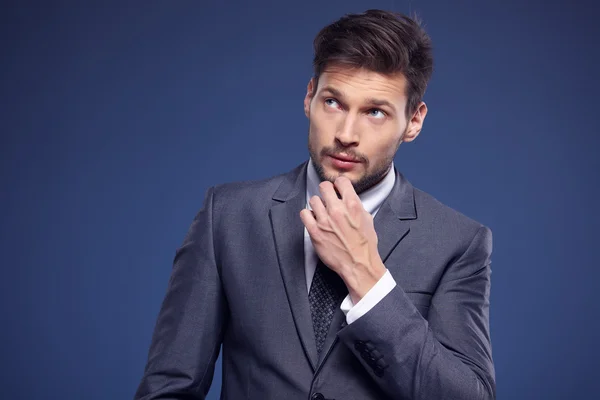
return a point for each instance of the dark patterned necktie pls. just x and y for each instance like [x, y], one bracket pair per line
[327, 291]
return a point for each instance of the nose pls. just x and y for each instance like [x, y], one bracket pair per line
[347, 131]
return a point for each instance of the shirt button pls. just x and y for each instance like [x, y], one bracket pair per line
[318, 396]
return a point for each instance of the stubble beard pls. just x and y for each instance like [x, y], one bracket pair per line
[367, 181]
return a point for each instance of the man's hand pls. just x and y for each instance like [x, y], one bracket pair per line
[344, 237]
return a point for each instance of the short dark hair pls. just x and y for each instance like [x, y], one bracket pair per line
[381, 41]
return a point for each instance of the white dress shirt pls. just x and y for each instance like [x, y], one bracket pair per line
[371, 200]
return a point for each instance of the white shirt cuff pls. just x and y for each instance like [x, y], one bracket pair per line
[370, 300]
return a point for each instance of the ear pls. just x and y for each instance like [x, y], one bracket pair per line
[416, 123]
[309, 95]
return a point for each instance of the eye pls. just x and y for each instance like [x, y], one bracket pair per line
[332, 103]
[377, 113]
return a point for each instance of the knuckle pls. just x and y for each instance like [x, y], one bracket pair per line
[336, 212]
[315, 235]
[353, 204]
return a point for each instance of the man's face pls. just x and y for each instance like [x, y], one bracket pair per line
[357, 121]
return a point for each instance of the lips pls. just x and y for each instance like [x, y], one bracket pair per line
[343, 157]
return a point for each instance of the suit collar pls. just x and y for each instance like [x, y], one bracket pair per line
[292, 184]
[402, 198]
[392, 222]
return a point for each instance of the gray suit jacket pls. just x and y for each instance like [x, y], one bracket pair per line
[238, 280]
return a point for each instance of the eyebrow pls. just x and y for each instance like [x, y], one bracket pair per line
[371, 100]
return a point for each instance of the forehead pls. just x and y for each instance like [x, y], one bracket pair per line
[361, 83]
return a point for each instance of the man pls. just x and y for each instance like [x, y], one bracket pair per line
[337, 280]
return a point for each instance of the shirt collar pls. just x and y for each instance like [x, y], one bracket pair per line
[371, 199]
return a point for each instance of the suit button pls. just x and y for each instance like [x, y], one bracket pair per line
[318, 396]
[365, 355]
[378, 371]
[359, 345]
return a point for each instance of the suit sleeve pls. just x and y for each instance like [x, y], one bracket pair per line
[188, 332]
[448, 356]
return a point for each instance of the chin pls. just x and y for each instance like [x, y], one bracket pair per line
[331, 174]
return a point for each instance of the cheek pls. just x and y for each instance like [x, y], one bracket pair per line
[322, 127]
[315, 139]
[382, 151]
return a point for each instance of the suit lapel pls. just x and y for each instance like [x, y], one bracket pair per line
[392, 222]
[288, 232]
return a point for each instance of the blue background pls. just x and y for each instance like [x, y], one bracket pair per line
[116, 118]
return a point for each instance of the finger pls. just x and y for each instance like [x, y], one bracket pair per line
[344, 186]
[309, 221]
[328, 194]
[349, 196]
[318, 208]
